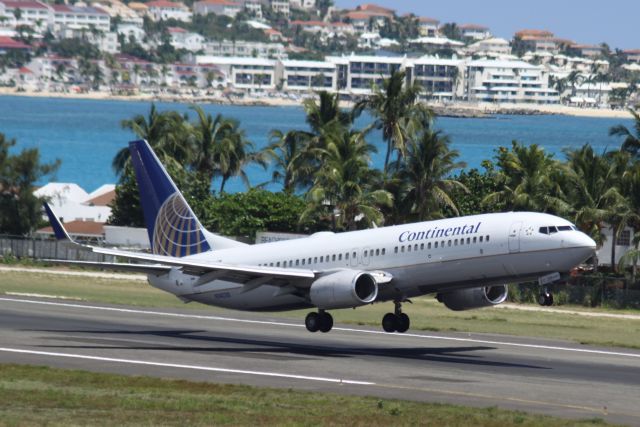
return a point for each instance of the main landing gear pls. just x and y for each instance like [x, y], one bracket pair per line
[396, 321]
[320, 321]
[545, 298]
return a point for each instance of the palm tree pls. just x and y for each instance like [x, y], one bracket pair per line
[326, 110]
[397, 113]
[344, 183]
[425, 176]
[233, 153]
[593, 190]
[631, 143]
[294, 164]
[208, 136]
[574, 78]
[166, 132]
[529, 180]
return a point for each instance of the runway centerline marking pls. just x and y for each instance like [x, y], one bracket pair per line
[295, 325]
[180, 366]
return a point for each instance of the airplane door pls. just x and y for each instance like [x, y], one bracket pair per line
[514, 237]
[354, 257]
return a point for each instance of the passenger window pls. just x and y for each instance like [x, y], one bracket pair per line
[455, 242]
[355, 256]
[468, 240]
[408, 248]
[270, 264]
[422, 246]
[449, 243]
[429, 245]
[290, 263]
[461, 242]
[442, 244]
[297, 262]
[395, 250]
[436, 245]
[278, 264]
[377, 252]
[487, 238]
[365, 253]
[402, 249]
[333, 257]
[346, 256]
[480, 239]
[415, 248]
[315, 259]
[383, 251]
[339, 257]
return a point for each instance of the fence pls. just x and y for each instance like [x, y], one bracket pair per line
[25, 247]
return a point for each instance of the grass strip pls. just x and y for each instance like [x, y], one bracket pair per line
[48, 396]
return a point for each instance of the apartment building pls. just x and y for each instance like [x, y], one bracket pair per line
[357, 73]
[160, 10]
[32, 13]
[255, 74]
[490, 47]
[104, 41]
[428, 27]
[183, 39]
[244, 49]
[475, 31]
[504, 81]
[219, 7]
[439, 77]
[66, 16]
[633, 55]
[280, 6]
[537, 41]
[307, 75]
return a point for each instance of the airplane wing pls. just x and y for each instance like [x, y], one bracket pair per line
[236, 273]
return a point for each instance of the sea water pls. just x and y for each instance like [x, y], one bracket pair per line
[86, 134]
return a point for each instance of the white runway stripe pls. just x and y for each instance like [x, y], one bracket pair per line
[179, 366]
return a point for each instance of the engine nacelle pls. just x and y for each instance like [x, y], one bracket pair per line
[467, 299]
[343, 289]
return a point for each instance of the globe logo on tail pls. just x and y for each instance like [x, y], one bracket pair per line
[177, 232]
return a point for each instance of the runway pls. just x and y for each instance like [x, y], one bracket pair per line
[551, 377]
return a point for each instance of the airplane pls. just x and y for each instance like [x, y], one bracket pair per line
[466, 261]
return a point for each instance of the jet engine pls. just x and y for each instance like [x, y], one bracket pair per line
[467, 299]
[343, 289]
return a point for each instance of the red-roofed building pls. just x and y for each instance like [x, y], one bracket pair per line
[537, 41]
[219, 7]
[274, 35]
[35, 14]
[374, 8]
[82, 230]
[160, 10]
[7, 44]
[66, 16]
[361, 19]
[633, 55]
[428, 27]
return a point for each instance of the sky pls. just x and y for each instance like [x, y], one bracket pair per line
[616, 22]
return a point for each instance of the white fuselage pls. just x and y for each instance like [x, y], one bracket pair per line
[426, 257]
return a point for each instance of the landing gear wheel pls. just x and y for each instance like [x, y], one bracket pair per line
[312, 322]
[326, 322]
[403, 322]
[545, 299]
[389, 322]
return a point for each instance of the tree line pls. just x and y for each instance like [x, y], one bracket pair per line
[328, 181]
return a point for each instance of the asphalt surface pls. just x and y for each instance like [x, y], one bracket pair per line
[543, 376]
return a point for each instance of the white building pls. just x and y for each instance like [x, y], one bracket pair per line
[32, 13]
[503, 81]
[160, 10]
[357, 74]
[72, 203]
[132, 32]
[428, 27]
[436, 42]
[116, 8]
[80, 17]
[253, 8]
[281, 6]
[474, 31]
[624, 243]
[219, 7]
[183, 39]
[302, 4]
[633, 55]
[244, 73]
[104, 41]
[245, 49]
[490, 47]
[308, 75]
[440, 77]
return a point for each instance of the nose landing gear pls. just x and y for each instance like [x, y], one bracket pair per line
[396, 321]
[320, 321]
[545, 298]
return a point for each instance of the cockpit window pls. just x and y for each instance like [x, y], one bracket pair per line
[553, 229]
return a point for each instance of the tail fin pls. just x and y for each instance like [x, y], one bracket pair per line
[173, 228]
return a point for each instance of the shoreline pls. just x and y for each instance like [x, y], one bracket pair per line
[456, 109]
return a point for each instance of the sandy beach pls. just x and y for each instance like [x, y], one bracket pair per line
[480, 109]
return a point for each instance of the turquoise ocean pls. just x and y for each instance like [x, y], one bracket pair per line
[86, 134]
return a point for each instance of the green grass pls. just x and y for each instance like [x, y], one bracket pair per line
[426, 313]
[39, 395]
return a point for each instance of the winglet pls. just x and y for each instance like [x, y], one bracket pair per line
[58, 229]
